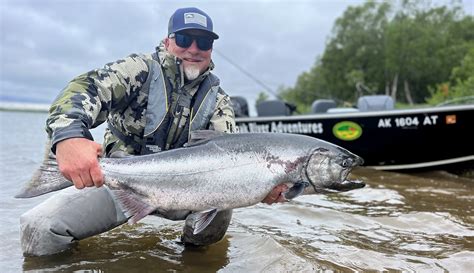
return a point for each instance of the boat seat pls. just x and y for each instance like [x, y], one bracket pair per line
[375, 103]
[322, 105]
[273, 108]
[240, 106]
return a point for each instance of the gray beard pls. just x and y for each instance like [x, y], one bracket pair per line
[191, 72]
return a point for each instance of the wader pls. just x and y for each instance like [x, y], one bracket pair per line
[71, 215]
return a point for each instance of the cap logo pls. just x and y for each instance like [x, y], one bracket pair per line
[195, 18]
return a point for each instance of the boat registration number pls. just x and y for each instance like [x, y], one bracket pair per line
[407, 121]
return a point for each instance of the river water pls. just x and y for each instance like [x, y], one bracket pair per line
[398, 222]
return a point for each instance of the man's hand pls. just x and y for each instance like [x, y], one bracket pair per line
[77, 160]
[276, 196]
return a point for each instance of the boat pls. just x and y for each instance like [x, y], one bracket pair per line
[386, 138]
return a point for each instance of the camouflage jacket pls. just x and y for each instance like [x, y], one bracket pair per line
[114, 93]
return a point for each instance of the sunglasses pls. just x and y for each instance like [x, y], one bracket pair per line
[185, 40]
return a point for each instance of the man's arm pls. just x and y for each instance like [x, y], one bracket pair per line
[223, 119]
[84, 104]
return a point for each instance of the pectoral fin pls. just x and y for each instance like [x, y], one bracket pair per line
[135, 208]
[296, 190]
[203, 219]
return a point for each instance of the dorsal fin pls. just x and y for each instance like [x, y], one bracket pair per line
[201, 136]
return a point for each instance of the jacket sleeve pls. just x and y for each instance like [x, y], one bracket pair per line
[223, 119]
[86, 101]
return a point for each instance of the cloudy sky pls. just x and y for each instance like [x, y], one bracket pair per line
[45, 43]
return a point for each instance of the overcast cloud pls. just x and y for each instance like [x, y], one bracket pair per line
[45, 43]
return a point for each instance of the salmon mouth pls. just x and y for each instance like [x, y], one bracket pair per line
[347, 185]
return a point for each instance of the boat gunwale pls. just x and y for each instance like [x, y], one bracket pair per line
[394, 112]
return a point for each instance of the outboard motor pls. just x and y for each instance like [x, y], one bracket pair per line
[240, 105]
[274, 108]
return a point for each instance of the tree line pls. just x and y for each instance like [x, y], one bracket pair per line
[410, 50]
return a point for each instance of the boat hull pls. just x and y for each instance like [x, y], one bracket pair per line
[387, 140]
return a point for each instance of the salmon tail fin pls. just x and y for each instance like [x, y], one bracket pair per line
[46, 179]
[132, 203]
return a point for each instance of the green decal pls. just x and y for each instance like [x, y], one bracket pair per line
[347, 130]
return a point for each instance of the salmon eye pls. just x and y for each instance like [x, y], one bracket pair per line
[346, 163]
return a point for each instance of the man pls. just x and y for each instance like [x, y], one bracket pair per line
[151, 103]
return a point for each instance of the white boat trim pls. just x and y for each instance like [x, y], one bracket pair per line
[424, 164]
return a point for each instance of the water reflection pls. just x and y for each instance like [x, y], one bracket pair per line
[399, 221]
[142, 247]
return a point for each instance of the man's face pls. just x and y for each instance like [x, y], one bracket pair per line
[195, 60]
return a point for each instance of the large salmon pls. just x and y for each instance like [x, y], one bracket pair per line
[216, 173]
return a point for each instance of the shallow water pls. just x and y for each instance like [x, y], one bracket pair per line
[399, 222]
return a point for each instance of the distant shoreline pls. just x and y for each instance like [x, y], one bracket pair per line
[24, 107]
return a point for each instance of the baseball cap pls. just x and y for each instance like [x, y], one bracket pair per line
[190, 18]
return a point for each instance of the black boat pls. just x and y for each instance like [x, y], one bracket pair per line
[387, 138]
